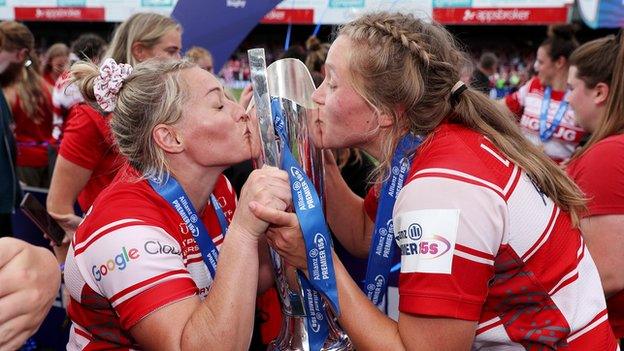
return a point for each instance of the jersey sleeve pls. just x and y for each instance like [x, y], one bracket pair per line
[600, 175]
[449, 232]
[137, 267]
[83, 142]
[515, 101]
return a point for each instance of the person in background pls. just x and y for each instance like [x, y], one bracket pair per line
[65, 95]
[29, 283]
[491, 257]
[88, 159]
[541, 105]
[56, 61]
[596, 81]
[200, 56]
[30, 99]
[480, 80]
[10, 191]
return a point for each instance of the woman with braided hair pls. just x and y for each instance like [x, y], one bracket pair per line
[486, 225]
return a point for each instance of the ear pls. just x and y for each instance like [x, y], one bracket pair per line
[601, 93]
[139, 51]
[385, 120]
[168, 139]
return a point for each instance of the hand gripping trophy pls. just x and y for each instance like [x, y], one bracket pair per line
[282, 95]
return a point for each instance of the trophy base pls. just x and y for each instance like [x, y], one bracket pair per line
[293, 337]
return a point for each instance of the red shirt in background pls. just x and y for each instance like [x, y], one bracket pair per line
[32, 137]
[599, 172]
[88, 142]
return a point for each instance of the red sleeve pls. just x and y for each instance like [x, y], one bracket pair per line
[85, 142]
[600, 175]
[513, 102]
[371, 202]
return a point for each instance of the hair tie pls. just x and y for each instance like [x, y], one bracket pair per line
[456, 92]
[107, 85]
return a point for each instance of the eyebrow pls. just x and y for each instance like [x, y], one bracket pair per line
[213, 89]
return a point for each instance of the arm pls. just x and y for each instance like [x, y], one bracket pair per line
[68, 180]
[190, 324]
[344, 206]
[29, 283]
[604, 236]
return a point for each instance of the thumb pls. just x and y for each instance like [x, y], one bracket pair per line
[273, 216]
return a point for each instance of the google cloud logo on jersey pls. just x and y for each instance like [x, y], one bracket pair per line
[118, 262]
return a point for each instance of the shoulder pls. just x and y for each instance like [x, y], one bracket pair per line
[125, 201]
[457, 152]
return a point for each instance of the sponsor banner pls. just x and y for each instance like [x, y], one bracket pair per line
[602, 13]
[294, 16]
[498, 16]
[64, 14]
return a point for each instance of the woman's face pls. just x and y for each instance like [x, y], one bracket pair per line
[168, 47]
[59, 64]
[545, 66]
[584, 101]
[215, 130]
[345, 118]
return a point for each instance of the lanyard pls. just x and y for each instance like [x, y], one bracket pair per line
[308, 207]
[172, 191]
[382, 248]
[545, 132]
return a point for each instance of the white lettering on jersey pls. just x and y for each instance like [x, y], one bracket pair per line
[427, 240]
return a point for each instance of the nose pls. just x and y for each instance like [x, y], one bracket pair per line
[239, 113]
[318, 96]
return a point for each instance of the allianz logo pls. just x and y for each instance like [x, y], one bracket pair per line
[236, 3]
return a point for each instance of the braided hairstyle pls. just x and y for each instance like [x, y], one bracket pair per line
[406, 68]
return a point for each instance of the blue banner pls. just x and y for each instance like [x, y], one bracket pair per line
[602, 13]
[219, 25]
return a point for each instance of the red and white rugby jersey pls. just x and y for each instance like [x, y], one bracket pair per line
[526, 103]
[480, 242]
[132, 255]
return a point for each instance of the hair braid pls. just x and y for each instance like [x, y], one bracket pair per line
[403, 37]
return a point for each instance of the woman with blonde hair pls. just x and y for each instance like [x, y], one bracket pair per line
[200, 56]
[88, 161]
[596, 83]
[30, 99]
[162, 260]
[485, 223]
[56, 62]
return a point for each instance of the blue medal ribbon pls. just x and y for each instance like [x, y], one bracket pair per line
[546, 132]
[382, 245]
[172, 192]
[321, 275]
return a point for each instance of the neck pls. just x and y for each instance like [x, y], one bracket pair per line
[560, 82]
[198, 182]
[373, 147]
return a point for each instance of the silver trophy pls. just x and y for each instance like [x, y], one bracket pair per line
[289, 81]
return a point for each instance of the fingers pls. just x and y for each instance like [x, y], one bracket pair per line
[271, 215]
[9, 248]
